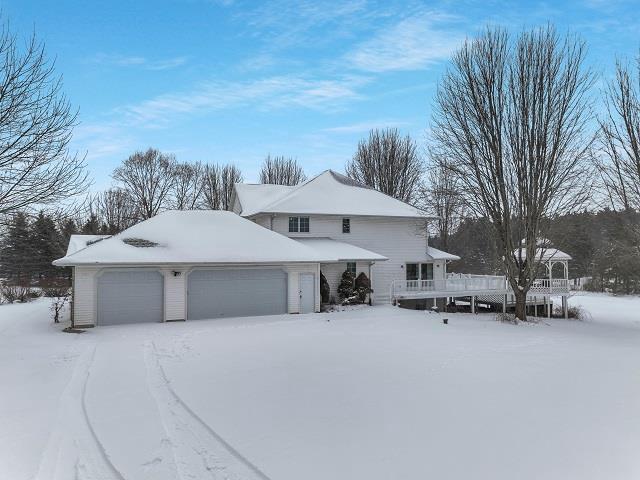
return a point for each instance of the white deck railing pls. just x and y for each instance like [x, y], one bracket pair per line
[457, 283]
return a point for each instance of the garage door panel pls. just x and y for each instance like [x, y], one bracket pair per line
[236, 293]
[130, 297]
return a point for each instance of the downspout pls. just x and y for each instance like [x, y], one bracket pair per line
[273, 215]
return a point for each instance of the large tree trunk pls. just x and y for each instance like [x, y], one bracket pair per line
[521, 305]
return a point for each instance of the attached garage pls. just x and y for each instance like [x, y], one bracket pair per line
[129, 296]
[182, 265]
[217, 293]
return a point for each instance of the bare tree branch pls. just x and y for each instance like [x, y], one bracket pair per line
[281, 171]
[389, 163]
[36, 124]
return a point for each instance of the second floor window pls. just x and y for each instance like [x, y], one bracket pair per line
[299, 224]
[346, 225]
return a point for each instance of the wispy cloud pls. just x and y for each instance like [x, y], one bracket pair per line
[116, 60]
[262, 94]
[410, 44]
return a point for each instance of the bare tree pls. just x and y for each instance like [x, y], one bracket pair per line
[148, 177]
[620, 138]
[511, 120]
[442, 197]
[218, 184]
[36, 124]
[211, 189]
[389, 163]
[229, 175]
[188, 186]
[116, 210]
[281, 171]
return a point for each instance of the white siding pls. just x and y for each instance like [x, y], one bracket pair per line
[401, 240]
[174, 294]
[333, 273]
[293, 290]
[84, 295]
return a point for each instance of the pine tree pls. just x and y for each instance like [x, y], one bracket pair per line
[362, 287]
[345, 289]
[325, 291]
[46, 242]
[92, 225]
[16, 256]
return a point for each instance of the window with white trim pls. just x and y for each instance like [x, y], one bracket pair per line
[351, 268]
[346, 225]
[299, 224]
[419, 271]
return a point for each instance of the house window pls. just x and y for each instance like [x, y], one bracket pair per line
[346, 225]
[419, 271]
[351, 268]
[426, 271]
[299, 224]
[412, 271]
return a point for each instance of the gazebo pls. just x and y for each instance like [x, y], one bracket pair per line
[548, 286]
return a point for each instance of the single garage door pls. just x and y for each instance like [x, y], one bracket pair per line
[236, 293]
[130, 296]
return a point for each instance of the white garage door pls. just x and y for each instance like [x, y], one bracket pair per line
[130, 296]
[236, 293]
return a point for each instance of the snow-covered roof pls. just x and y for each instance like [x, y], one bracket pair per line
[329, 193]
[78, 242]
[545, 254]
[199, 237]
[341, 251]
[436, 254]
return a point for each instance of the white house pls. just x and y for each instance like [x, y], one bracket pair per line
[265, 258]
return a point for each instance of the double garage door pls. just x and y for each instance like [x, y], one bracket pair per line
[137, 296]
[236, 293]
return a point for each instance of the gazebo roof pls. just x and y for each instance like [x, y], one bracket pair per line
[545, 254]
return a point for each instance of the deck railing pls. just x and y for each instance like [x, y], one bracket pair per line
[474, 284]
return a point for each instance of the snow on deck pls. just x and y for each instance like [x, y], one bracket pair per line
[374, 393]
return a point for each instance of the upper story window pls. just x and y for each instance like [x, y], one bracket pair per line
[299, 224]
[346, 225]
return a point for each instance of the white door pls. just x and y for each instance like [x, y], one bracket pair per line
[307, 293]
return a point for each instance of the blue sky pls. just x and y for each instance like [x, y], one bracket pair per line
[231, 81]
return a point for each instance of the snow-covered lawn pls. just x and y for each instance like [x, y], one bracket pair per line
[376, 393]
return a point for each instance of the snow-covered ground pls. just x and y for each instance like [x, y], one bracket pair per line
[374, 393]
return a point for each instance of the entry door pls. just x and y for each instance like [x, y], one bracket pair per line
[307, 293]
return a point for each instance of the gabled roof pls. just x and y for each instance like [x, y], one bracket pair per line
[329, 193]
[78, 242]
[199, 237]
[436, 254]
[341, 251]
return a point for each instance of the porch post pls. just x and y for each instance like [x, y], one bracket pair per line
[371, 284]
[565, 307]
[473, 304]
[504, 303]
[548, 298]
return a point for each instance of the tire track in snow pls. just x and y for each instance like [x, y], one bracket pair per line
[199, 451]
[74, 449]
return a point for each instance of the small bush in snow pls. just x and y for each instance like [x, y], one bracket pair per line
[576, 313]
[324, 289]
[362, 287]
[345, 289]
[507, 318]
[59, 302]
[16, 293]
[55, 288]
